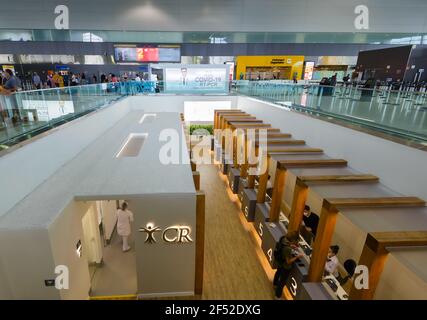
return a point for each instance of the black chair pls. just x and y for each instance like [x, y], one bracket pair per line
[349, 266]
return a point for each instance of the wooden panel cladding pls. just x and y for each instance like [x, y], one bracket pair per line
[327, 222]
[237, 125]
[380, 240]
[292, 150]
[374, 256]
[276, 142]
[200, 241]
[218, 112]
[276, 199]
[339, 178]
[276, 135]
[308, 163]
[221, 117]
[373, 202]
[196, 179]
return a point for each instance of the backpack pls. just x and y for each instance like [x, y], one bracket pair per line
[278, 251]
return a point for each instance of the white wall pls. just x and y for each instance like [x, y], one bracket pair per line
[399, 283]
[203, 110]
[27, 261]
[64, 233]
[26, 168]
[173, 103]
[164, 269]
[399, 167]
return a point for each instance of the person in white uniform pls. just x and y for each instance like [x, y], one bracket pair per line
[331, 266]
[124, 220]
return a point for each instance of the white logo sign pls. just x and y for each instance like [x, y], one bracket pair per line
[172, 234]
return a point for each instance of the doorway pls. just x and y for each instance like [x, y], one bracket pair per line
[92, 242]
[116, 274]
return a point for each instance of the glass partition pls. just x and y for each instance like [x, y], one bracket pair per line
[402, 113]
[28, 113]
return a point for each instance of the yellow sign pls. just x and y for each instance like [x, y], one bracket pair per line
[11, 67]
[272, 67]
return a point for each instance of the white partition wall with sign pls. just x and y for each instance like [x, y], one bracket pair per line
[55, 224]
[165, 235]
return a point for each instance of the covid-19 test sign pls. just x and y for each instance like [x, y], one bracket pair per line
[184, 79]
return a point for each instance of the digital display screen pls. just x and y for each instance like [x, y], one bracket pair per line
[149, 53]
[196, 79]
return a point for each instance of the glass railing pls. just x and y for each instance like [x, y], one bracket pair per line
[401, 113]
[25, 114]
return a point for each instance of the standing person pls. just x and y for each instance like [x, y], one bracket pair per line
[73, 81]
[137, 78]
[331, 266]
[37, 81]
[10, 83]
[49, 81]
[310, 220]
[103, 78]
[295, 80]
[58, 80]
[95, 79]
[283, 256]
[124, 220]
[346, 79]
[334, 79]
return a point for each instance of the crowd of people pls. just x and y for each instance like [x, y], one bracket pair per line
[75, 79]
[10, 82]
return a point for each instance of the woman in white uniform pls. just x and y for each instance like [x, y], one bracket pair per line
[124, 220]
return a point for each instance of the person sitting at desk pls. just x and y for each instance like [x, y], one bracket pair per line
[331, 266]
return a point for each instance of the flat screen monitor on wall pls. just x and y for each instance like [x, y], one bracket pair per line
[147, 53]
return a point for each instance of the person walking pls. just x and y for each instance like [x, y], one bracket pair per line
[284, 258]
[124, 220]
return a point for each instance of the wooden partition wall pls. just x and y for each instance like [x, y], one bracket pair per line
[376, 243]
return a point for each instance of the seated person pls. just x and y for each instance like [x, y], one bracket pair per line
[310, 220]
[349, 267]
[331, 266]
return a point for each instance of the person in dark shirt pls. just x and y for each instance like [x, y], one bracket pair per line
[11, 84]
[284, 267]
[311, 220]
